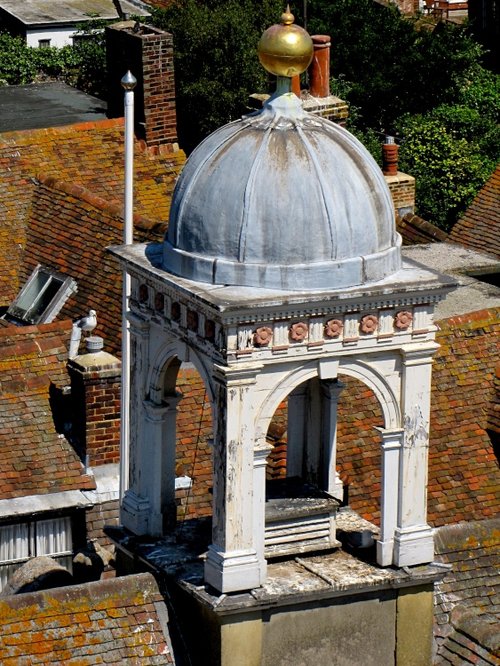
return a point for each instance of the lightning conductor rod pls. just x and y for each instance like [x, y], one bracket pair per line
[128, 83]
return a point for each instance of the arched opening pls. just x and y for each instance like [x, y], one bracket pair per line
[179, 381]
[193, 461]
[326, 432]
[358, 448]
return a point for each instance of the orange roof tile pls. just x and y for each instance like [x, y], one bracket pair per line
[34, 458]
[116, 621]
[479, 228]
[414, 230]
[89, 155]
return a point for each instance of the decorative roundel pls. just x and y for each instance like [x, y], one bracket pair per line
[368, 324]
[298, 331]
[403, 320]
[333, 328]
[262, 336]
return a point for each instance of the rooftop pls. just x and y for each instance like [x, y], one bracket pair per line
[43, 12]
[471, 270]
[36, 459]
[46, 105]
[118, 621]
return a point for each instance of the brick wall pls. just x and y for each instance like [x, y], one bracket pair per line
[148, 53]
[95, 398]
[98, 517]
[402, 189]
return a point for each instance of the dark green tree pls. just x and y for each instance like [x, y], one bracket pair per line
[216, 63]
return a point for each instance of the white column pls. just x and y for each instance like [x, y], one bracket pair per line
[413, 540]
[135, 507]
[158, 475]
[331, 481]
[261, 452]
[391, 448]
[296, 431]
[232, 563]
[313, 438]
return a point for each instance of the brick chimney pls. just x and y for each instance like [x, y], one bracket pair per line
[95, 396]
[319, 100]
[401, 185]
[149, 54]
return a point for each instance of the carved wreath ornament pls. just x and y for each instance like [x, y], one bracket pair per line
[333, 328]
[368, 324]
[298, 331]
[262, 336]
[403, 319]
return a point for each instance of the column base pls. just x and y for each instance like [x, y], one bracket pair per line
[134, 513]
[234, 571]
[385, 553]
[413, 545]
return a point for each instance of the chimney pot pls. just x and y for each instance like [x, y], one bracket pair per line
[319, 69]
[390, 151]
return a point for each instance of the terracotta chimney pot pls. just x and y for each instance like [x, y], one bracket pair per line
[319, 69]
[390, 157]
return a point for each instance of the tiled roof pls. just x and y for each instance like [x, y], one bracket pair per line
[115, 621]
[473, 551]
[68, 229]
[34, 458]
[89, 155]
[414, 230]
[479, 228]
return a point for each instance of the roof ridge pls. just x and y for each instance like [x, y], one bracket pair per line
[57, 326]
[15, 135]
[112, 208]
[488, 315]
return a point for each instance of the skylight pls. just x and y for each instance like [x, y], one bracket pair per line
[41, 298]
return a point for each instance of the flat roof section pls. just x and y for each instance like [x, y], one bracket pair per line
[41, 12]
[42, 105]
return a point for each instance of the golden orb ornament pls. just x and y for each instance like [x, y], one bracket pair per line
[285, 49]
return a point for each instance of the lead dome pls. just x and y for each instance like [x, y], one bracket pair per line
[282, 199]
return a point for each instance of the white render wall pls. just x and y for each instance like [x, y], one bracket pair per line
[58, 36]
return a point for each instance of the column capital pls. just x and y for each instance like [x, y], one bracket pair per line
[138, 325]
[238, 375]
[419, 353]
[157, 411]
[390, 439]
[332, 388]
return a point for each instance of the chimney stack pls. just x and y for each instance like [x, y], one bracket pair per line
[148, 53]
[401, 185]
[95, 394]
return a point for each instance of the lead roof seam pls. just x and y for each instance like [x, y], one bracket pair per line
[249, 191]
[192, 181]
[322, 185]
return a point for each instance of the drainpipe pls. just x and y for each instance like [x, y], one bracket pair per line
[128, 83]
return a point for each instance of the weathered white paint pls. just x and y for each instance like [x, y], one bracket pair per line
[246, 382]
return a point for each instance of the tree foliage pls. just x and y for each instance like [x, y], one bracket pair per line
[216, 63]
[81, 65]
[400, 77]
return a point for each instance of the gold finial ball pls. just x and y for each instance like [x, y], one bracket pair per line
[285, 49]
